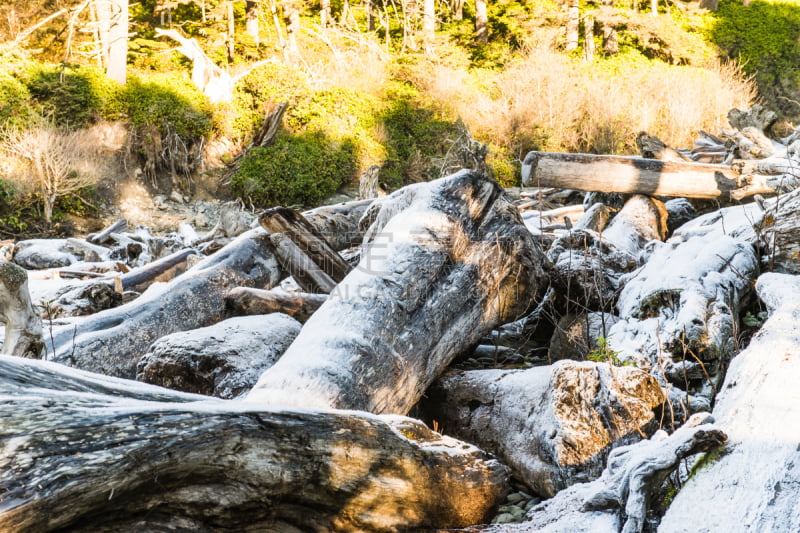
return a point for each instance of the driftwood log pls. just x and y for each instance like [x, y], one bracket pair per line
[619, 499]
[308, 275]
[249, 301]
[306, 236]
[752, 481]
[112, 341]
[623, 174]
[565, 418]
[651, 147]
[83, 452]
[443, 263]
[340, 224]
[23, 331]
[223, 360]
[780, 227]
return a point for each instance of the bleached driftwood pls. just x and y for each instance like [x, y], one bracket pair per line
[105, 235]
[619, 499]
[780, 228]
[554, 425]
[623, 174]
[752, 481]
[340, 224]
[37, 254]
[83, 452]
[758, 117]
[112, 341]
[305, 236]
[308, 275]
[443, 263]
[223, 360]
[588, 264]
[249, 301]
[23, 331]
[651, 147]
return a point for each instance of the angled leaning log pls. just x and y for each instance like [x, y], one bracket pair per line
[443, 263]
[753, 479]
[652, 177]
[112, 341]
[82, 452]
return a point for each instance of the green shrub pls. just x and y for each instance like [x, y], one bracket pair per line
[14, 100]
[295, 170]
[267, 83]
[74, 95]
[169, 102]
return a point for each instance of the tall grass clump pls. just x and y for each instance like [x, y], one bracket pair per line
[548, 101]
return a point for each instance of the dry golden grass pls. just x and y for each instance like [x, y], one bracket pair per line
[552, 102]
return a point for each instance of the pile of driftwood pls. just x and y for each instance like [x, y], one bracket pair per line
[260, 378]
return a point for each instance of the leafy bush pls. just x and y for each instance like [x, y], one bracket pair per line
[74, 95]
[270, 82]
[297, 169]
[169, 102]
[14, 100]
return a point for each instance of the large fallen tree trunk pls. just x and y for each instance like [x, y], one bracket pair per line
[112, 341]
[652, 177]
[443, 263]
[553, 425]
[82, 452]
[753, 480]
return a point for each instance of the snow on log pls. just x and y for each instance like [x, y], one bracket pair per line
[23, 331]
[554, 425]
[753, 481]
[112, 341]
[223, 360]
[82, 452]
[652, 177]
[588, 264]
[443, 263]
[619, 499]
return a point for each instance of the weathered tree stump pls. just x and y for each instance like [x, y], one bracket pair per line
[23, 331]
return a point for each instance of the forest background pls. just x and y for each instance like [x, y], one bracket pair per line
[92, 92]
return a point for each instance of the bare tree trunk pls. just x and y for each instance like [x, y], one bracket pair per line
[23, 332]
[654, 7]
[113, 22]
[291, 12]
[251, 21]
[428, 23]
[573, 25]
[481, 22]
[610, 42]
[230, 40]
[588, 38]
[325, 13]
[457, 8]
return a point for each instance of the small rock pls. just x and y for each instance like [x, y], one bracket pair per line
[515, 497]
[503, 518]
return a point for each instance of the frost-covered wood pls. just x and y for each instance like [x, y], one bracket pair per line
[576, 335]
[781, 227]
[340, 224]
[105, 235]
[83, 452]
[619, 499]
[223, 360]
[23, 331]
[752, 482]
[112, 341]
[443, 263]
[623, 174]
[588, 264]
[36, 254]
[249, 301]
[306, 236]
[554, 426]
